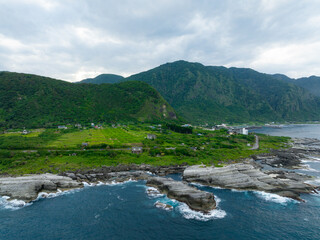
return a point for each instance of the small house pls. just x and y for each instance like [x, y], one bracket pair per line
[136, 150]
[62, 127]
[170, 148]
[84, 144]
[244, 131]
[25, 132]
[151, 136]
[232, 132]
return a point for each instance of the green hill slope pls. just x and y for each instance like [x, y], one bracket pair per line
[311, 83]
[32, 101]
[217, 94]
[103, 78]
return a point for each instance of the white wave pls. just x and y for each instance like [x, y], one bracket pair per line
[201, 185]
[153, 192]
[42, 195]
[314, 159]
[238, 190]
[315, 182]
[308, 168]
[13, 204]
[112, 183]
[191, 214]
[271, 197]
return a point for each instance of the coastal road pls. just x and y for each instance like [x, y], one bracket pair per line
[256, 144]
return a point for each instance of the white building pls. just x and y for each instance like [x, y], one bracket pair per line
[244, 131]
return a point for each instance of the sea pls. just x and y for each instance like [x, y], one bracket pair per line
[126, 211]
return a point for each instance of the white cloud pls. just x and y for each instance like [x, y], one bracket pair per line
[77, 39]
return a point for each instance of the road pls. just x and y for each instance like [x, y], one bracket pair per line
[256, 144]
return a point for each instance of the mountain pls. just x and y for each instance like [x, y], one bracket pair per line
[311, 83]
[103, 78]
[236, 95]
[33, 101]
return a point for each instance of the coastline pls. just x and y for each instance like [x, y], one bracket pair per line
[46, 184]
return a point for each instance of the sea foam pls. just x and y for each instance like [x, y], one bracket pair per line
[270, 197]
[191, 214]
[14, 204]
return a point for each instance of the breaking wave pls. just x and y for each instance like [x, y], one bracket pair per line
[271, 197]
[14, 204]
[191, 214]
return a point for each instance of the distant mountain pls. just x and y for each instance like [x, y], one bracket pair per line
[33, 101]
[103, 78]
[311, 83]
[237, 95]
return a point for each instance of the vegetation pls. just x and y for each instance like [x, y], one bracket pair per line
[203, 94]
[53, 150]
[103, 78]
[33, 101]
[179, 129]
[311, 84]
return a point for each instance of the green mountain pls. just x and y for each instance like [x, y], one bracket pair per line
[103, 78]
[311, 83]
[32, 101]
[217, 94]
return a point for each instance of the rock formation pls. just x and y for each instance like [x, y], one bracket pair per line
[246, 176]
[181, 191]
[26, 188]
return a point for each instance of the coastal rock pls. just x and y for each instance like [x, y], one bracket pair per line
[26, 188]
[163, 206]
[246, 176]
[181, 191]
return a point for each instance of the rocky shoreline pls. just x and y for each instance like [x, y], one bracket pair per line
[247, 175]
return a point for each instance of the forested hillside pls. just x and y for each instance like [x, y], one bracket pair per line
[32, 101]
[236, 95]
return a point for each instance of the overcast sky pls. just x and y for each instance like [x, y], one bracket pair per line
[76, 39]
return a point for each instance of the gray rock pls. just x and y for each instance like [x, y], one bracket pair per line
[163, 206]
[26, 188]
[245, 176]
[181, 191]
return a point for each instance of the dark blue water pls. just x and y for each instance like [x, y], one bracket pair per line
[125, 211]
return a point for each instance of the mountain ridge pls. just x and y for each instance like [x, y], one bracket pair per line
[216, 94]
[28, 100]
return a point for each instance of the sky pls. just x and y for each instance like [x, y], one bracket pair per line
[76, 39]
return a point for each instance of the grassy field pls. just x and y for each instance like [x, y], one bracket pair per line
[53, 150]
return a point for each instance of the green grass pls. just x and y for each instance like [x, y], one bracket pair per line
[54, 149]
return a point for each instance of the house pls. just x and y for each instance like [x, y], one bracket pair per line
[62, 127]
[232, 132]
[243, 131]
[77, 125]
[151, 136]
[92, 124]
[170, 148]
[25, 132]
[84, 144]
[136, 150]
[186, 125]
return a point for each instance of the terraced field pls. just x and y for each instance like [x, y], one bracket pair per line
[109, 136]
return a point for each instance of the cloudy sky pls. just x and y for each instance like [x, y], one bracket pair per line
[76, 39]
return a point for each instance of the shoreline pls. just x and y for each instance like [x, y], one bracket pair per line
[47, 184]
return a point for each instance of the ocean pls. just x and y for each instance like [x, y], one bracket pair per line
[126, 211]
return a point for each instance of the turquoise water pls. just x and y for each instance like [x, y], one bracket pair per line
[125, 211]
